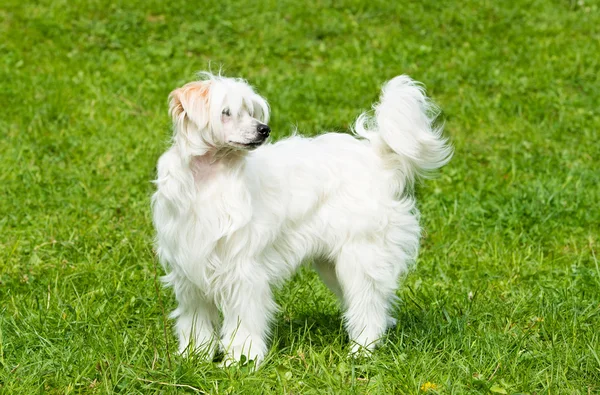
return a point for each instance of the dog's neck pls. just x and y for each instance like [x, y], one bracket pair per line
[216, 164]
[215, 193]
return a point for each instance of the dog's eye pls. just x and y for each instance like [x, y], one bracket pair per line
[226, 112]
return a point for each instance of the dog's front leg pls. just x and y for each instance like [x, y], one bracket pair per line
[195, 318]
[247, 313]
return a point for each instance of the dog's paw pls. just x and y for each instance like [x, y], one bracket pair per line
[359, 351]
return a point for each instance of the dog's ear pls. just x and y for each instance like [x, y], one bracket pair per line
[189, 108]
[191, 102]
[260, 108]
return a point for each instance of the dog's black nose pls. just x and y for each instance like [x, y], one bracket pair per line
[263, 130]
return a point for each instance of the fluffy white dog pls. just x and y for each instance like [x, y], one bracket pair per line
[235, 216]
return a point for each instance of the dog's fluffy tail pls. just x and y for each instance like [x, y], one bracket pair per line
[403, 130]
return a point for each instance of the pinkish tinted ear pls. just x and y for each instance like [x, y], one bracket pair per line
[190, 100]
[189, 108]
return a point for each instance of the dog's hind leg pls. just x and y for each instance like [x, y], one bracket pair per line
[368, 282]
[195, 318]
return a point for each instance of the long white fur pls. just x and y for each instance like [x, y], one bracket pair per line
[232, 223]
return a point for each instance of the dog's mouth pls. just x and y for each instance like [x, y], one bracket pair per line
[248, 146]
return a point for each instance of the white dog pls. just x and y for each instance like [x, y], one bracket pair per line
[235, 216]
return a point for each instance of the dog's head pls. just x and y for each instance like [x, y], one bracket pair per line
[216, 113]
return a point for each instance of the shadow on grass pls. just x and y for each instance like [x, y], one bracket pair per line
[317, 330]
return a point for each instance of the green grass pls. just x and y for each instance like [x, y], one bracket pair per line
[506, 294]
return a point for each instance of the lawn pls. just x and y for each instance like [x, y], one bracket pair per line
[505, 297]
